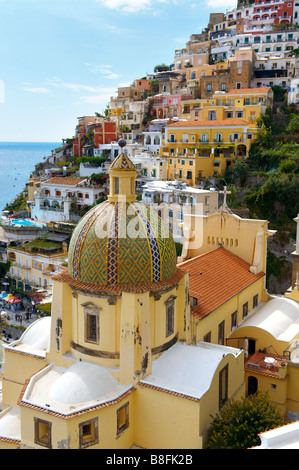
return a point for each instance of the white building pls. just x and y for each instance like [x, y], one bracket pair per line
[173, 199]
[293, 95]
[153, 134]
[283, 437]
[54, 201]
[149, 166]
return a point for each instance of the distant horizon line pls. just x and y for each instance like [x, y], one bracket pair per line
[30, 141]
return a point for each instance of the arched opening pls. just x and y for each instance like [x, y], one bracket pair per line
[157, 140]
[55, 205]
[252, 385]
[241, 151]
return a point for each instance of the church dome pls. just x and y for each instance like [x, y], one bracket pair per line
[120, 242]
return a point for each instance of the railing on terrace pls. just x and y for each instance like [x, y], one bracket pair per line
[48, 208]
[265, 364]
[20, 265]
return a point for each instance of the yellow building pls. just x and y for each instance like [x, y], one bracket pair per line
[270, 339]
[34, 264]
[115, 366]
[211, 144]
[225, 257]
[214, 132]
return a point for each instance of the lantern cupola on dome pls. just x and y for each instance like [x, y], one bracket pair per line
[122, 242]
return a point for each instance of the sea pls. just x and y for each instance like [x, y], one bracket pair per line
[17, 162]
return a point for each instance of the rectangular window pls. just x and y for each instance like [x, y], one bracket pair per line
[245, 309]
[209, 87]
[221, 333]
[42, 433]
[169, 317]
[122, 418]
[255, 300]
[223, 386]
[234, 319]
[88, 433]
[116, 186]
[91, 326]
[207, 337]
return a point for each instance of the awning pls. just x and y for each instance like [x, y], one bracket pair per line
[14, 300]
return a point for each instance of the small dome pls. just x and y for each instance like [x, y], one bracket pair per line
[37, 335]
[83, 382]
[121, 244]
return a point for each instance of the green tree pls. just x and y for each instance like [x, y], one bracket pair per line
[161, 68]
[238, 423]
[241, 170]
[293, 125]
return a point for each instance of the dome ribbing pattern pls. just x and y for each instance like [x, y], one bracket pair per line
[121, 244]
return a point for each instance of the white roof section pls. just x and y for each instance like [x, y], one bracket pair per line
[36, 338]
[10, 424]
[284, 437]
[188, 369]
[279, 316]
[171, 186]
[67, 391]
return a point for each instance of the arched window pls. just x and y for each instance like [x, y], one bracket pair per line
[252, 385]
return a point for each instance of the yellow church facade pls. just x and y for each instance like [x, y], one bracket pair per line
[225, 257]
[116, 366]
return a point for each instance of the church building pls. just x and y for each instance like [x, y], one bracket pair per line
[117, 365]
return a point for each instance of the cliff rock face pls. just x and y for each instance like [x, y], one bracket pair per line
[279, 268]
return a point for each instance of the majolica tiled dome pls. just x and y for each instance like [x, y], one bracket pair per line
[121, 243]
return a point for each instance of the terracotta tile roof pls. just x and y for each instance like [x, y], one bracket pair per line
[224, 122]
[64, 180]
[256, 363]
[117, 288]
[249, 90]
[170, 392]
[215, 277]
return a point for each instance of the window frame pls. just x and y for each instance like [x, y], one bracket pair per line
[88, 312]
[38, 439]
[221, 334]
[223, 387]
[234, 319]
[122, 427]
[245, 310]
[170, 316]
[95, 433]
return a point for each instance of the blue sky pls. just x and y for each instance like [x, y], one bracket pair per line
[61, 59]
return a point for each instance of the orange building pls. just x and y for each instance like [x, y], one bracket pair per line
[105, 133]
